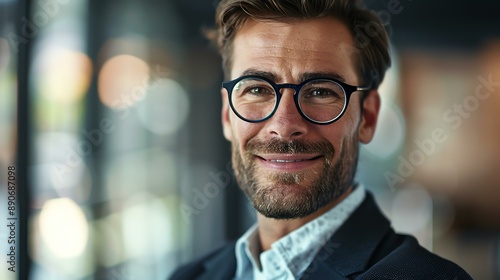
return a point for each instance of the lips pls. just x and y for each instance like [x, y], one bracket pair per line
[288, 162]
[287, 157]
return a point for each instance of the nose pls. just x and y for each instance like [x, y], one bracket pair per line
[287, 123]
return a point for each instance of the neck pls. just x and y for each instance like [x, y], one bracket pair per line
[270, 230]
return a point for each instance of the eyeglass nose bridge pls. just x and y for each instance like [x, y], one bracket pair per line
[296, 89]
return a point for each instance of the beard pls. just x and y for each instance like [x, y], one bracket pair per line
[292, 195]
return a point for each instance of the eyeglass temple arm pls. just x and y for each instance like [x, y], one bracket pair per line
[363, 88]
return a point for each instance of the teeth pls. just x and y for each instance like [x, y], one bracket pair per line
[284, 160]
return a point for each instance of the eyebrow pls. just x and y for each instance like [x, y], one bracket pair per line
[304, 76]
[320, 75]
[253, 72]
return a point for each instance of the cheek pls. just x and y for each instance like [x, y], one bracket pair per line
[335, 137]
[243, 131]
[338, 132]
[351, 118]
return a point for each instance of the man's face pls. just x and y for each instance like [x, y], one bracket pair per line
[288, 167]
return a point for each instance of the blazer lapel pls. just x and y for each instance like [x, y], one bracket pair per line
[350, 248]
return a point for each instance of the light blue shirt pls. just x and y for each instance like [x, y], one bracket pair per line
[289, 257]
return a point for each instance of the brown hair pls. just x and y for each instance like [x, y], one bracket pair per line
[370, 37]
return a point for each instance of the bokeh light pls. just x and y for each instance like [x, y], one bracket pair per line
[166, 107]
[390, 134]
[146, 213]
[123, 81]
[64, 75]
[412, 213]
[63, 227]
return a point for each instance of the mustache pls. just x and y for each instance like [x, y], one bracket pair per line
[276, 146]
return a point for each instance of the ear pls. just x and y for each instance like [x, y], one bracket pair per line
[369, 116]
[226, 123]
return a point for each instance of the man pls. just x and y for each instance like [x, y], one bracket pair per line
[301, 93]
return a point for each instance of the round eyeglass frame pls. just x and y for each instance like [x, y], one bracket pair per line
[348, 91]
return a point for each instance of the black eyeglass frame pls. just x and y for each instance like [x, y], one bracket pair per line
[348, 91]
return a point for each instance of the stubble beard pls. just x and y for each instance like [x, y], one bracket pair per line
[292, 195]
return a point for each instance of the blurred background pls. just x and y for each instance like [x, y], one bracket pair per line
[110, 111]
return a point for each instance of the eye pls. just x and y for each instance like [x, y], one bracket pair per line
[259, 90]
[322, 89]
[253, 90]
[321, 93]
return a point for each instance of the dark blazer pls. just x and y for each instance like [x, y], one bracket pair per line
[364, 247]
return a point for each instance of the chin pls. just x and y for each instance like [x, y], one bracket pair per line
[286, 201]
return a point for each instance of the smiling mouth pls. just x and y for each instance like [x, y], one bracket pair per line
[288, 162]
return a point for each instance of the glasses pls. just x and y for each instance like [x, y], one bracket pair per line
[320, 100]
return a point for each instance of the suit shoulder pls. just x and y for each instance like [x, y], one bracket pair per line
[412, 261]
[195, 267]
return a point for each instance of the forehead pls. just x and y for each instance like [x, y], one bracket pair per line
[290, 48]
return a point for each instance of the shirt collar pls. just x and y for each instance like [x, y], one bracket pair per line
[296, 250]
